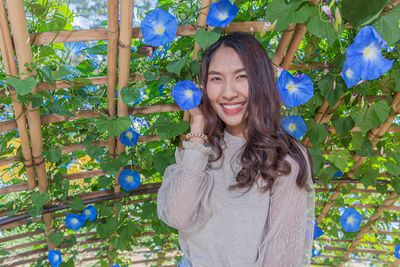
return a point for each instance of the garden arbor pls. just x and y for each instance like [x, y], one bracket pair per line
[51, 119]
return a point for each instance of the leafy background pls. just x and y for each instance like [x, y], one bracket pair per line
[135, 226]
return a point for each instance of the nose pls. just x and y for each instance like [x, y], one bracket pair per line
[229, 91]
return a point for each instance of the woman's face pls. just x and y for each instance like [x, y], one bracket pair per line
[228, 88]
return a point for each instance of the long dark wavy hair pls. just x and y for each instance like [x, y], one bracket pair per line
[267, 143]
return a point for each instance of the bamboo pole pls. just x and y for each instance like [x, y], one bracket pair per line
[24, 55]
[112, 53]
[202, 21]
[89, 114]
[293, 46]
[283, 44]
[101, 34]
[23, 50]
[7, 51]
[125, 41]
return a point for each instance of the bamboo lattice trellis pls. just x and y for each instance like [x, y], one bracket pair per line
[118, 71]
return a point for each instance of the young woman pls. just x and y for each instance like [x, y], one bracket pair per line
[241, 191]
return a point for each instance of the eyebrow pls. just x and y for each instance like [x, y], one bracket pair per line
[211, 72]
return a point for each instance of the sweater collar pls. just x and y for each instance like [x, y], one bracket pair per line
[233, 140]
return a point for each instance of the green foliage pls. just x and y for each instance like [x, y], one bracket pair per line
[167, 129]
[76, 204]
[113, 127]
[206, 38]
[22, 87]
[362, 12]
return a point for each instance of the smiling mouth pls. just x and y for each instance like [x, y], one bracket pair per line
[233, 106]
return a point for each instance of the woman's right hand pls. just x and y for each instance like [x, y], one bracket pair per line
[197, 119]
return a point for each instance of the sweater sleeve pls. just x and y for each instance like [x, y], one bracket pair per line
[289, 228]
[183, 198]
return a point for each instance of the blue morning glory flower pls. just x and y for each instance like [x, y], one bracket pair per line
[159, 27]
[349, 76]
[294, 125]
[338, 174]
[317, 231]
[128, 179]
[397, 252]
[73, 222]
[160, 89]
[115, 265]
[294, 91]
[89, 213]
[350, 220]
[129, 137]
[54, 257]
[364, 55]
[186, 94]
[315, 252]
[221, 13]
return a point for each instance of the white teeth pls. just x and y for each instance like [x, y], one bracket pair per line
[233, 106]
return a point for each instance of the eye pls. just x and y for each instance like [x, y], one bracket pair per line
[242, 76]
[215, 79]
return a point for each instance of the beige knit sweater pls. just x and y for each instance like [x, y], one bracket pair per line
[218, 227]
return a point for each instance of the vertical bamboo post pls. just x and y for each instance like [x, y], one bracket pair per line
[112, 53]
[293, 46]
[7, 51]
[202, 21]
[23, 51]
[283, 44]
[24, 55]
[125, 41]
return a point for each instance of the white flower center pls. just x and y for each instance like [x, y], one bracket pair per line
[130, 135]
[223, 15]
[129, 178]
[371, 52]
[291, 87]
[87, 212]
[292, 126]
[160, 29]
[74, 221]
[55, 257]
[350, 220]
[349, 73]
[188, 93]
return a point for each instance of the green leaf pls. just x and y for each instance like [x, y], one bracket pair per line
[362, 12]
[52, 155]
[388, 26]
[106, 211]
[99, 49]
[206, 38]
[195, 67]
[177, 65]
[113, 127]
[321, 29]
[279, 10]
[57, 23]
[114, 165]
[393, 163]
[162, 160]
[343, 125]
[331, 95]
[396, 74]
[23, 87]
[145, 159]
[381, 188]
[105, 230]
[94, 151]
[149, 76]
[58, 109]
[39, 199]
[361, 144]
[375, 116]
[76, 204]
[369, 177]
[396, 185]
[316, 132]
[129, 95]
[340, 158]
[56, 238]
[167, 129]
[104, 181]
[61, 73]
[70, 240]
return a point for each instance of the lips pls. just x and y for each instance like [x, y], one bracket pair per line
[233, 108]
